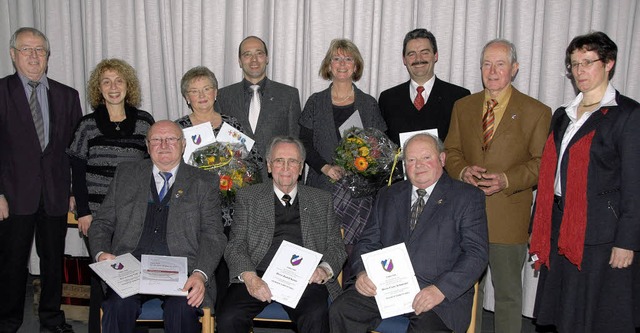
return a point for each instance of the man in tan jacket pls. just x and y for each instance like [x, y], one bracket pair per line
[495, 142]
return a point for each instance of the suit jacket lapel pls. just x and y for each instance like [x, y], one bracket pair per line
[512, 112]
[22, 106]
[402, 201]
[305, 213]
[435, 97]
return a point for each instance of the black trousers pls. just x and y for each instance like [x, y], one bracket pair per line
[16, 236]
[352, 312]
[120, 314]
[239, 308]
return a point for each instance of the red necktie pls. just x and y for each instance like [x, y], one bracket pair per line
[419, 101]
[487, 123]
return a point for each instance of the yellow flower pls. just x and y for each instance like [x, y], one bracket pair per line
[364, 151]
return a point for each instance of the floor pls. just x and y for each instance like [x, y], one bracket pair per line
[31, 325]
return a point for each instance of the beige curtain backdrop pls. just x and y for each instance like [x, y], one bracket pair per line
[164, 38]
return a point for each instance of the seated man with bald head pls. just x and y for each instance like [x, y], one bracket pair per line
[446, 240]
[165, 207]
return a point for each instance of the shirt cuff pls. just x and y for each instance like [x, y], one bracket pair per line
[327, 267]
[206, 278]
[98, 255]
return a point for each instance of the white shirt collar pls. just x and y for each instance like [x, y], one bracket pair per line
[292, 194]
[414, 194]
[160, 181]
[428, 86]
[609, 99]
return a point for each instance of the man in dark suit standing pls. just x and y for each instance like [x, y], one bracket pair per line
[37, 119]
[263, 107]
[495, 143]
[266, 214]
[161, 206]
[423, 102]
[447, 243]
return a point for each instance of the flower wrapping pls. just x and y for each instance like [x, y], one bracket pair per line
[233, 165]
[367, 155]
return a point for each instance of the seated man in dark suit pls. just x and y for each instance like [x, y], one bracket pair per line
[161, 206]
[425, 101]
[447, 243]
[266, 214]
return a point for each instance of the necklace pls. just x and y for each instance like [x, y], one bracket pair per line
[117, 124]
[335, 98]
[590, 105]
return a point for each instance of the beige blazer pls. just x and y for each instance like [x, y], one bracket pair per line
[515, 149]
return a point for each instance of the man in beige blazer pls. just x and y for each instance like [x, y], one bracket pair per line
[498, 149]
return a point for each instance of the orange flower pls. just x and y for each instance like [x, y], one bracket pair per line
[361, 163]
[225, 183]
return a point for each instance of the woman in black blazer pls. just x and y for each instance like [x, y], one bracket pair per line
[586, 226]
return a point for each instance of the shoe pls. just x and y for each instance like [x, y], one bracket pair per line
[62, 328]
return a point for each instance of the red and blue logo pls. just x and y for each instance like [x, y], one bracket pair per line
[196, 139]
[117, 266]
[387, 265]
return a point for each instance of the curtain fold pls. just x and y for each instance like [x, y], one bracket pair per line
[162, 39]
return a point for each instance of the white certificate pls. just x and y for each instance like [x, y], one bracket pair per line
[163, 275]
[197, 136]
[289, 272]
[231, 134]
[122, 274]
[390, 269]
[353, 121]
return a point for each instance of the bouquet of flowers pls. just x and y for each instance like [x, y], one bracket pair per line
[232, 163]
[368, 156]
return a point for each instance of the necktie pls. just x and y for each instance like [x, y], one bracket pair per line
[488, 123]
[165, 188]
[36, 112]
[287, 200]
[254, 107]
[417, 208]
[419, 101]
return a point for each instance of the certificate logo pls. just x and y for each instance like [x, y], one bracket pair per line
[387, 265]
[117, 266]
[196, 139]
[295, 260]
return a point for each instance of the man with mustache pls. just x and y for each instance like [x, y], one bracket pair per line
[423, 102]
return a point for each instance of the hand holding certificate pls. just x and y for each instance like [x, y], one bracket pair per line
[390, 269]
[289, 272]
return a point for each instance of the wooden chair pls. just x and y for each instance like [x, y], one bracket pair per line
[152, 314]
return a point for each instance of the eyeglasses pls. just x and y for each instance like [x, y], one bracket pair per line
[584, 63]
[341, 59]
[206, 90]
[281, 162]
[27, 51]
[170, 141]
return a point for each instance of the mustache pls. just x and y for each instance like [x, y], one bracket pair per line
[419, 63]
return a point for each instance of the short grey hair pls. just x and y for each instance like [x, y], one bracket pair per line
[513, 55]
[34, 31]
[196, 72]
[286, 139]
[439, 144]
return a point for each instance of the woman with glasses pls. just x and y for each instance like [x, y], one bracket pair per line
[199, 88]
[113, 133]
[586, 225]
[320, 121]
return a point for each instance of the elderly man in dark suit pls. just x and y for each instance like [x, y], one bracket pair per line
[447, 243]
[263, 107]
[423, 102]
[161, 206]
[495, 143]
[266, 214]
[37, 119]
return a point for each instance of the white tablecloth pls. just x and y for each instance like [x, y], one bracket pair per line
[529, 288]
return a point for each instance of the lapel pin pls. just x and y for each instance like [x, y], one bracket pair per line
[513, 116]
[440, 202]
[179, 194]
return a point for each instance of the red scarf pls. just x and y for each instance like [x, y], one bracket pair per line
[574, 218]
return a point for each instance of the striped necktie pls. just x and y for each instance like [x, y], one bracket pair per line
[36, 112]
[488, 121]
[417, 208]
